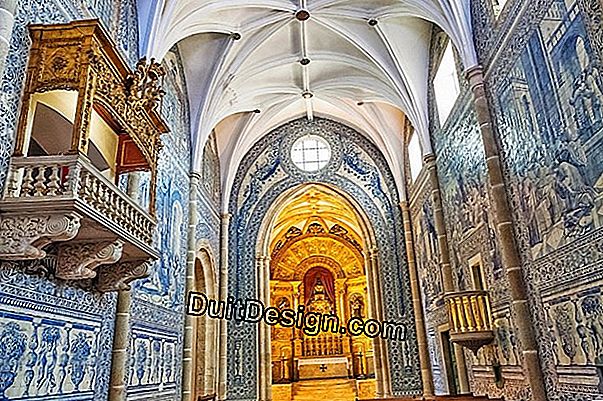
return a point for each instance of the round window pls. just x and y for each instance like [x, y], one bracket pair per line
[310, 153]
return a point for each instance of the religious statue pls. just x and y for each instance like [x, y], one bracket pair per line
[319, 301]
[357, 306]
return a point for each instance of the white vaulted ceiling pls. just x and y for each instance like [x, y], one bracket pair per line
[245, 56]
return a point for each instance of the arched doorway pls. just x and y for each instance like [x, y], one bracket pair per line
[270, 175]
[318, 246]
[205, 343]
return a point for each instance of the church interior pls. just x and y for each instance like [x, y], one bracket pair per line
[425, 176]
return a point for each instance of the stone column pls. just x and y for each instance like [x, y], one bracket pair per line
[424, 360]
[119, 356]
[373, 314]
[223, 361]
[189, 354]
[7, 21]
[265, 371]
[118, 385]
[445, 265]
[509, 250]
[440, 225]
[268, 330]
[380, 363]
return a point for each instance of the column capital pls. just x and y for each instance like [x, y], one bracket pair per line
[429, 159]
[475, 75]
[373, 252]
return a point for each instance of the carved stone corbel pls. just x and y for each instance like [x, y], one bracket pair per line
[118, 276]
[22, 237]
[78, 261]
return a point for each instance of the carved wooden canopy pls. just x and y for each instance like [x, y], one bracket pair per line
[81, 57]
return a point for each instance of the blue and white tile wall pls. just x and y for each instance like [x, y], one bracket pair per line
[546, 91]
[158, 301]
[357, 168]
[209, 205]
[55, 337]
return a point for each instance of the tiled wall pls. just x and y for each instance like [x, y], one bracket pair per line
[546, 94]
[56, 337]
[358, 169]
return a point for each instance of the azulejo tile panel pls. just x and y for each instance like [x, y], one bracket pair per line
[55, 338]
[158, 306]
[358, 169]
[552, 105]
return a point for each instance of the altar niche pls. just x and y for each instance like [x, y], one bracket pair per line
[317, 259]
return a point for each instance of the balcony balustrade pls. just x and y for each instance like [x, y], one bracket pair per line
[85, 116]
[65, 199]
[470, 318]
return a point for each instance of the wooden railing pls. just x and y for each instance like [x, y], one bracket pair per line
[470, 318]
[49, 180]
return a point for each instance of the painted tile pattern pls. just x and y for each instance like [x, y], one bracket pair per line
[56, 337]
[357, 168]
[546, 91]
[158, 301]
[552, 104]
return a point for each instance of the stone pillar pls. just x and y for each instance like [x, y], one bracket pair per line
[223, 361]
[119, 356]
[440, 225]
[7, 21]
[509, 250]
[381, 362]
[267, 328]
[373, 314]
[445, 265]
[265, 362]
[424, 360]
[189, 354]
[118, 385]
[261, 377]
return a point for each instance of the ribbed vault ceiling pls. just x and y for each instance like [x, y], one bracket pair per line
[253, 65]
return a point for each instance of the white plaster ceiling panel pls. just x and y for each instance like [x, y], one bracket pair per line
[245, 56]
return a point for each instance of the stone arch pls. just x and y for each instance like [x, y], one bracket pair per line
[359, 172]
[328, 263]
[206, 329]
